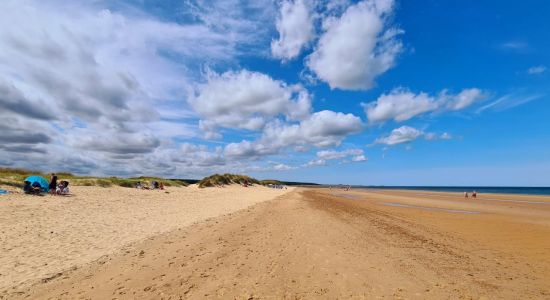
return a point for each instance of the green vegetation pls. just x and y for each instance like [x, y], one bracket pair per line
[225, 179]
[269, 181]
[15, 177]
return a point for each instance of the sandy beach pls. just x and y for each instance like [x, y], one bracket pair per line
[311, 244]
[43, 236]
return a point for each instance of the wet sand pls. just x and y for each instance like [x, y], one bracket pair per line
[318, 243]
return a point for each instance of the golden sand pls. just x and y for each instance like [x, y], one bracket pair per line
[323, 244]
[42, 236]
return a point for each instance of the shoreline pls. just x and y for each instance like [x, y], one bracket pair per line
[461, 189]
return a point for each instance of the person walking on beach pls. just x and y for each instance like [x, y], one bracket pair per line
[474, 194]
[465, 194]
[53, 184]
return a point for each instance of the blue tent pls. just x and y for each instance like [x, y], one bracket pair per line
[43, 182]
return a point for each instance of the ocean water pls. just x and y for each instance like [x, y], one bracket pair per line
[462, 189]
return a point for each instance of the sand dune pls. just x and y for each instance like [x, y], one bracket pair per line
[42, 236]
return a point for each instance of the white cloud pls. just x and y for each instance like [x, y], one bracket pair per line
[536, 70]
[124, 143]
[359, 158]
[247, 100]
[445, 136]
[296, 29]
[403, 134]
[321, 129]
[283, 167]
[315, 162]
[356, 47]
[107, 87]
[401, 105]
[509, 101]
[461, 100]
[406, 134]
[332, 154]
[514, 45]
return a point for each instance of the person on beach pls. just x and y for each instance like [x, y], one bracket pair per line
[465, 194]
[53, 184]
[474, 194]
[27, 188]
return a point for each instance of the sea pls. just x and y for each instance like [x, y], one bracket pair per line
[461, 189]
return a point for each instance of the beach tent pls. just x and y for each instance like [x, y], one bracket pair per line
[43, 182]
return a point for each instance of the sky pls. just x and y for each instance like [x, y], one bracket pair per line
[376, 92]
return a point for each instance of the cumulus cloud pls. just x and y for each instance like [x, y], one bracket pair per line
[461, 100]
[296, 29]
[356, 47]
[132, 143]
[283, 167]
[247, 100]
[198, 155]
[359, 158]
[536, 70]
[401, 104]
[12, 101]
[333, 154]
[315, 163]
[110, 84]
[406, 134]
[113, 91]
[321, 129]
[356, 155]
[403, 134]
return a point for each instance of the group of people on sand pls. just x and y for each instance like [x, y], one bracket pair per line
[467, 195]
[276, 186]
[343, 187]
[55, 187]
[155, 185]
[58, 188]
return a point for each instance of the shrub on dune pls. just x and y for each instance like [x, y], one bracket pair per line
[226, 179]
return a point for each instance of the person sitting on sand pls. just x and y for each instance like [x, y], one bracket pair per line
[53, 184]
[62, 188]
[27, 188]
[138, 185]
[161, 185]
[36, 188]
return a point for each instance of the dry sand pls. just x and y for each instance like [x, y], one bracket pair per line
[43, 236]
[316, 243]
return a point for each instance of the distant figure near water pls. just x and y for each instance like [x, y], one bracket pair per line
[465, 194]
[474, 194]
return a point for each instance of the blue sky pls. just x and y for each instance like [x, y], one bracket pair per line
[360, 92]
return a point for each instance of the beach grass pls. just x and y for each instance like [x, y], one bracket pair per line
[226, 179]
[15, 177]
[269, 181]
